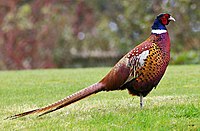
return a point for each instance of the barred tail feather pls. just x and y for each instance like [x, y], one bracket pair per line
[97, 87]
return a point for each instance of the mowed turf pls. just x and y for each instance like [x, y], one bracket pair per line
[173, 105]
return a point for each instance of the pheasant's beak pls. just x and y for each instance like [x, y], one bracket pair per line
[171, 18]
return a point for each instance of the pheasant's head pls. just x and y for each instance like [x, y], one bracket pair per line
[165, 18]
[162, 20]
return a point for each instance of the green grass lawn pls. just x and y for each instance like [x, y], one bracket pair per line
[173, 105]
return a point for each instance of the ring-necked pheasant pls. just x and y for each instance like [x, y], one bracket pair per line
[139, 71]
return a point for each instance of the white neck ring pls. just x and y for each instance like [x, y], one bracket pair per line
[158, 31]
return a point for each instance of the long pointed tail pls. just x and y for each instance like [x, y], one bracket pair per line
[64, 102]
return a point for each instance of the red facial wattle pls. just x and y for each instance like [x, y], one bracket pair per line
[165, 19]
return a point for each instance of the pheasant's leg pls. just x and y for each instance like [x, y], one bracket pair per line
[141, 101]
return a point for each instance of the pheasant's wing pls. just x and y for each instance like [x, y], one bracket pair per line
[137, 58]
[127, 68]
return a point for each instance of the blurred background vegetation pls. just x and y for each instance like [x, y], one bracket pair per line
[83, 33]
